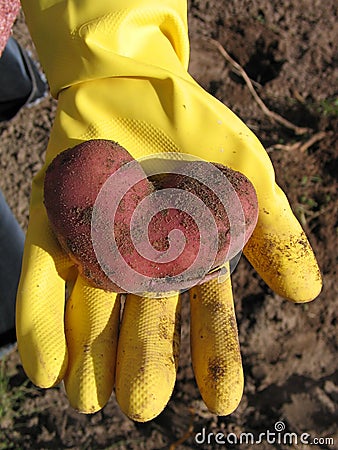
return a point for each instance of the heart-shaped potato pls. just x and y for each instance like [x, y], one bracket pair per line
[187, 222]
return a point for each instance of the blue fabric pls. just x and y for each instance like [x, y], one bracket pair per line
[15, 81]
[11, 249]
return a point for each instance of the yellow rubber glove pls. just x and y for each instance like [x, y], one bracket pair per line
[119, 71]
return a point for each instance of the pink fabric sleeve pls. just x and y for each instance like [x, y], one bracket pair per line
[9, 9]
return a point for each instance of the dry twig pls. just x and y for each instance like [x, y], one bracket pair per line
[300, 146]
[313, 139]
[271, 114]
[187, 434]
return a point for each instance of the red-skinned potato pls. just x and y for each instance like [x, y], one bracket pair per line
[235, 209]
[73, 182]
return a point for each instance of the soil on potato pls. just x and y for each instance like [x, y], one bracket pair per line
[289, 351]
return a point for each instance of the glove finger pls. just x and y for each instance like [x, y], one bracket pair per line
[215, 350]
[92, 318]
[280, 252]
[40, 304]
[147, 355]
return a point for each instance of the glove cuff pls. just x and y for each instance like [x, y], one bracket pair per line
[82, 41]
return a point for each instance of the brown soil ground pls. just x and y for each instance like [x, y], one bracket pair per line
[289, 351]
